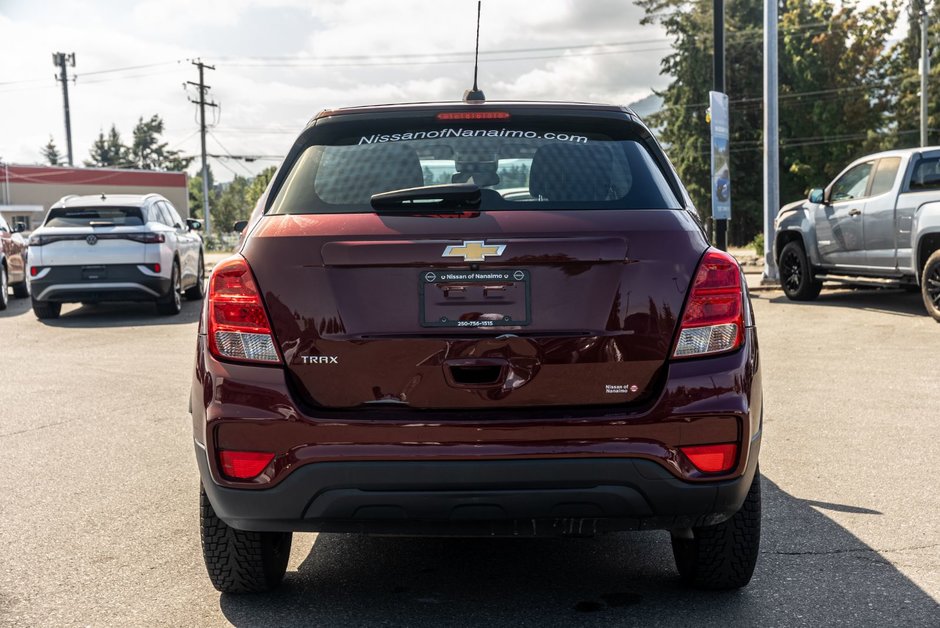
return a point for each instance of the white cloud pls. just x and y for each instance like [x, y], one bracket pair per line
[262, 107]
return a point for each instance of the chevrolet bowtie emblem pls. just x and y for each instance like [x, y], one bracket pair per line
[474, 251]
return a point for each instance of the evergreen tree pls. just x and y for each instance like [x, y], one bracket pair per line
[108, 151]
[51, 154]
[147, 152]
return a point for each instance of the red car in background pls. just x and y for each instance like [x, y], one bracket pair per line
[13, 250]
[477, 319]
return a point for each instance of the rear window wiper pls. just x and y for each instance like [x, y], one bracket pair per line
[431, 199]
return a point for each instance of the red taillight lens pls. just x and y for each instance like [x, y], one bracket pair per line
[156, 268]
[145, 238]
[712, 458]
[238, 325]
[244, 465]
[714, 315]
[33, 271]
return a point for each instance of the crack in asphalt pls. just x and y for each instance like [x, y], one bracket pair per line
[854, 550]
[34, 429]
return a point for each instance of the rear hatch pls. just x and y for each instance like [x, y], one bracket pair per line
[93, 236]
[563, 286]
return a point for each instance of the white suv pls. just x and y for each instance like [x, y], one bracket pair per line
[115, 248]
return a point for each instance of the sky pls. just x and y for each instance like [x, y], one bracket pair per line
[279, 62]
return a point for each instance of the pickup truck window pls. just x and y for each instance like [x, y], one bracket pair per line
[853, 183]
[885, 174]
[926, 175]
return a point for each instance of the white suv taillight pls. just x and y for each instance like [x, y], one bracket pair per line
[238, 325]
[714, 316]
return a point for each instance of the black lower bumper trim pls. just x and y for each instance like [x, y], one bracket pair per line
[543, 497]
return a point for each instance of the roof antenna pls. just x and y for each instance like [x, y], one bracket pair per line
[475, 94]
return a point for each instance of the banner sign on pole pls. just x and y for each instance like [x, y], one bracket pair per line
[721, 157]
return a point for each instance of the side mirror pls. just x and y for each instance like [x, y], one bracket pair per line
[193, 224]
[817, 196]
[19, 227]
[239, 226]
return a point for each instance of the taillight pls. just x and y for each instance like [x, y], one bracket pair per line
[145, 238]
[238, 325]
[244, 465]
[711, 458]
[34, 270]
[714, 315]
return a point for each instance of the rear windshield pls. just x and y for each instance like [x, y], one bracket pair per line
[94, 216]
[539, 164]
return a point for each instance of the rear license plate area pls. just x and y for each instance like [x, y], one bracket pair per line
[474, 298]
[94, 273]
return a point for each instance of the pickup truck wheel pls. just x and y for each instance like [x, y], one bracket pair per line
[796, 274]
[239, 561]
[930, 285]
[722, 556]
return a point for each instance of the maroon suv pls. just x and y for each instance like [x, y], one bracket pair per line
[477, 319]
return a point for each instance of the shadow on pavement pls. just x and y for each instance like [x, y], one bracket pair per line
[811, 572]
[122, 314]
[888, 301]
[16, 307]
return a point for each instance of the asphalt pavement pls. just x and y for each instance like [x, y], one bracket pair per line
[98, 499]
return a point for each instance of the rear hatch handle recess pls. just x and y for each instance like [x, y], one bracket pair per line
[431, 199]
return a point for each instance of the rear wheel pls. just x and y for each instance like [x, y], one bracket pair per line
[723, 556]
[796, 274]
[4, 296]
[239, 561]
[930, 285]
[45, 310]
[199, 289]
[172, 302]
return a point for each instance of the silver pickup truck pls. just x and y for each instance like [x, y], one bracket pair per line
[879, 220]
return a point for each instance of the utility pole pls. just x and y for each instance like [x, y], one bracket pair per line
[203, 89]
[63, 61]
[718, 14]
[771, 140]
[924, 71]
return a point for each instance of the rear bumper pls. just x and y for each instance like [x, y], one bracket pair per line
[548, 497]
[478, 472]
[111, 282]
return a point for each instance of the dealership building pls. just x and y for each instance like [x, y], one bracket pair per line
[27, 192]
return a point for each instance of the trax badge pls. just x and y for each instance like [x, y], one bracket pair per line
[474, 251]
[319, 359]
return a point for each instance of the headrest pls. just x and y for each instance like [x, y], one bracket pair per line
[571, 172]
[352, 175]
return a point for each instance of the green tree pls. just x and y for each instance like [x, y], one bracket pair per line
[232, 205]
[258, 185]
[51, 154]
[108, 151]
[147, 152]
[196, 209]
[833, 95]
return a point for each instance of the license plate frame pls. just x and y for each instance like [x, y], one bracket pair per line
[506, 291]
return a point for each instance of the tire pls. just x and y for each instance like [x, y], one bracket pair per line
[21, 290]
[239, 561]
[930, 285]
[4, 292]
[172, 302]
[723, 556]
[796, 274]
[198, 291]
[45, 310]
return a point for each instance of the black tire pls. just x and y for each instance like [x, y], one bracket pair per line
[239, 561]
[4, 294]
[21, 290]
[796, 274]
[930, 285]
[722, 556]
[45, 310]
[171, 303]
[198, 291]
